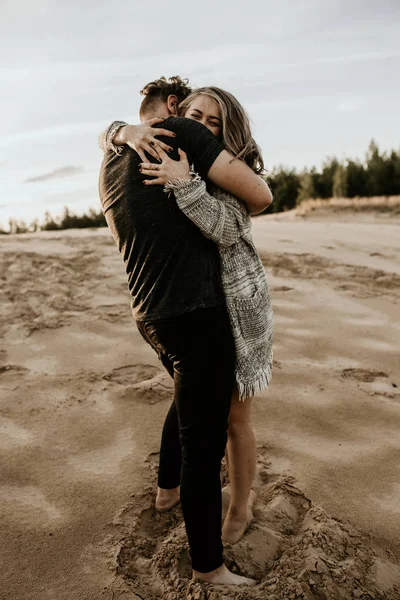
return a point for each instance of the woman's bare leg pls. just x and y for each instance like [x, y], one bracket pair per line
[241, 454]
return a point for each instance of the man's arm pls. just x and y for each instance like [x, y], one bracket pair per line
[237, 178]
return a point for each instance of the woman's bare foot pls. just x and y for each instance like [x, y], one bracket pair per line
[222, 576]
[236, 524]
[167, 499]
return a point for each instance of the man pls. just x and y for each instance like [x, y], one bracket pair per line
[178, 303]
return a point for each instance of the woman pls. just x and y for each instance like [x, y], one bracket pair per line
[225, 220]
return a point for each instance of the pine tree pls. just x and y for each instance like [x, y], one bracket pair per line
[356, 179]
[284, 185]
[340, 182]
[307, 189]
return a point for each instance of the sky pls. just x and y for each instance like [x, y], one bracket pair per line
[318, 78]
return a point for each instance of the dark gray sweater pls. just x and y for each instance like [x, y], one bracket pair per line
[172, 268]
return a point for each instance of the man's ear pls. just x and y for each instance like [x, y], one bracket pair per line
[172, 104]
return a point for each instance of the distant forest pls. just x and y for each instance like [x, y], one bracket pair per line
[377, 175]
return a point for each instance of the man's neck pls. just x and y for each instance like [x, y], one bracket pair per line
[153, 114]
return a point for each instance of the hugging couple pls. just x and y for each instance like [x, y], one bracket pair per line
[177, 192]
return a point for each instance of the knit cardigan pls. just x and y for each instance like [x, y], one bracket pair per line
[225, 220]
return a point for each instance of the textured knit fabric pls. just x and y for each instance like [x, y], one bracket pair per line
[225, 220]
[106, 137]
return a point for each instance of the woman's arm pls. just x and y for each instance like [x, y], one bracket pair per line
[141, 138]
[227, 172]
[107, 138]
[234, 176]
[220, 221]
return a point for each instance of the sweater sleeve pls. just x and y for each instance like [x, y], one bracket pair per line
[222, 221]
[106, 137]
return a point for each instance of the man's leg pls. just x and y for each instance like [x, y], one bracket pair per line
[169, 470]
[201, 347]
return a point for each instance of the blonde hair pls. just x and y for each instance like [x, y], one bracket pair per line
[236, 130]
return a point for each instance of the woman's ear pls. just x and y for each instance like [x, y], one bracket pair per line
[172, 104]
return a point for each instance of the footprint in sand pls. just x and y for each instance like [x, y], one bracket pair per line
[293, 548]
[375, 383]
[145, 383]
[366, 375]
[11, 376]
[131, 374]
[12, 369]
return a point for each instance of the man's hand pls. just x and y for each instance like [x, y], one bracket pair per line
[167, 170]
[142, 138]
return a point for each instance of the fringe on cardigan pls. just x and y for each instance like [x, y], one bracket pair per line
[182, 184]
[250, 388]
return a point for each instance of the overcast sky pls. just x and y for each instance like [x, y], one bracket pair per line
[318, 78]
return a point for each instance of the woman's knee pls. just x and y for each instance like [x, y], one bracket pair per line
[239, 414]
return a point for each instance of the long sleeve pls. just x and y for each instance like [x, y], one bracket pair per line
[106, 137]
[221, 218]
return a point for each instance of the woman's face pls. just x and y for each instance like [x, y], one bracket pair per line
[206, 111]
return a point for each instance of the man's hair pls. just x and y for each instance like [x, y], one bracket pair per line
[158, 91]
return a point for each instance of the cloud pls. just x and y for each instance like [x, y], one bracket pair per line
[62, 172]
[350, 105]
[63, 131]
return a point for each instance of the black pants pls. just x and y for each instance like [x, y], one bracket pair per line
[198, 351]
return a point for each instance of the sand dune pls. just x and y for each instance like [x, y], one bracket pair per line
[83, 400]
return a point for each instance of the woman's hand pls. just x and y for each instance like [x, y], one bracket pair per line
[167, 170]
[142, 138]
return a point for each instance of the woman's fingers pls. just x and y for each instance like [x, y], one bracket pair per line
[151, 171]
[160, 144]
[142, 155]
[164, 132]
[145, 147]
[163, 155]
[182, 154]
[150, 149]
[158, 181]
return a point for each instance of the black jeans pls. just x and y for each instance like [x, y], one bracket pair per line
[198, 351]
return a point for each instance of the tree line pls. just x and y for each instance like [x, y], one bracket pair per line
[377, 175]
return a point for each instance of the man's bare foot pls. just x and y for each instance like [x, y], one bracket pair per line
[167, 499]
[236, 524]
[222, 576]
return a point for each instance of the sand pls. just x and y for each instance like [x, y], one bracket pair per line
[83, 400]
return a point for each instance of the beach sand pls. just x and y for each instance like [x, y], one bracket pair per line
[83, 399]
